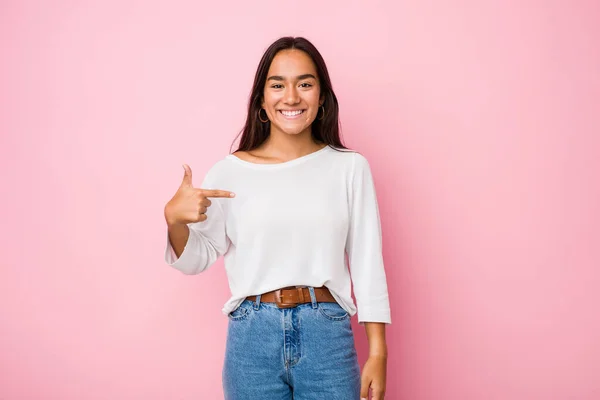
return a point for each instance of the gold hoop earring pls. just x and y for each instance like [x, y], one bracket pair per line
[261, 120]
[323, 116]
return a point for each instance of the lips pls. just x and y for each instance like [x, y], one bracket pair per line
[291, 114]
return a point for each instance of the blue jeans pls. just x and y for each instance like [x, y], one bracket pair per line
[302, 353]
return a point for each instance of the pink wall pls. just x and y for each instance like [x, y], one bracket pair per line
[478, 120]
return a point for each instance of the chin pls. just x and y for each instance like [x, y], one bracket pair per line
[293, 131]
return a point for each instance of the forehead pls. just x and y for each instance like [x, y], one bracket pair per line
[292, 62]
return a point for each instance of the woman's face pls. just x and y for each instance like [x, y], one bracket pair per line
[292, 92]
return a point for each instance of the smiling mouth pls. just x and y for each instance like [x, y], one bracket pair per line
[291, 114]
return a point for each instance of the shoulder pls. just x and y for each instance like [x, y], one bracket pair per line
[342, 154]
[245, 156]
[352, 158]
[218, 172]
[219, 166]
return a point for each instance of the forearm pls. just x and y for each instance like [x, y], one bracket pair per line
[178, 236]
[376, 337]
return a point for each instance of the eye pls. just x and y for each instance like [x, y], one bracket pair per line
[305, 85]
[277, 86]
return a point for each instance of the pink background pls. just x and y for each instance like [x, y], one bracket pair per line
[477, 118]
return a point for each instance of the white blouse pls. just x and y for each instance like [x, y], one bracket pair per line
[291, 224]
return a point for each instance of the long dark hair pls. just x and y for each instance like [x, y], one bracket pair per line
[326, 130]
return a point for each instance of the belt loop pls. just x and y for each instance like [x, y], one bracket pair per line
[257, 302]
[313, 298]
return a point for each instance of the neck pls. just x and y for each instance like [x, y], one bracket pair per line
[285, 146]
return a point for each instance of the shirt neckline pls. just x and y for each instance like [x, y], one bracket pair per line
[289, 163]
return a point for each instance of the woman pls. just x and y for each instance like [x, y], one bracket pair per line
[283, 210]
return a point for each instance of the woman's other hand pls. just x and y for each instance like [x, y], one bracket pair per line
[373, 376]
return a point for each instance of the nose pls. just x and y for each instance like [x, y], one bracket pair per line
[291, 95]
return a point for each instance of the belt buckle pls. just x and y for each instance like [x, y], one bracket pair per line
[281, 304]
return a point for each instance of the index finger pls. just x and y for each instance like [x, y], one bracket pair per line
[217, 193]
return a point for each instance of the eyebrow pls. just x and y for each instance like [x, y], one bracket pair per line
[299, 77]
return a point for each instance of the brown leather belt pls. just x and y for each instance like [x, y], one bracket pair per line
[291, 296]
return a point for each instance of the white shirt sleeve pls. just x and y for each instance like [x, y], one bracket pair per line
[206, 242]
[364, 247]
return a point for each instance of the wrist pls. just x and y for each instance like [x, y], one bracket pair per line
[171, 222]
[379, 352]
[174, 225]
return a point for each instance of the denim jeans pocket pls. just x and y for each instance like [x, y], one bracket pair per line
[333, 311]
[240, 313]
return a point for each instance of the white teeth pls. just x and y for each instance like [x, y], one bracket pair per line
[291, 113]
